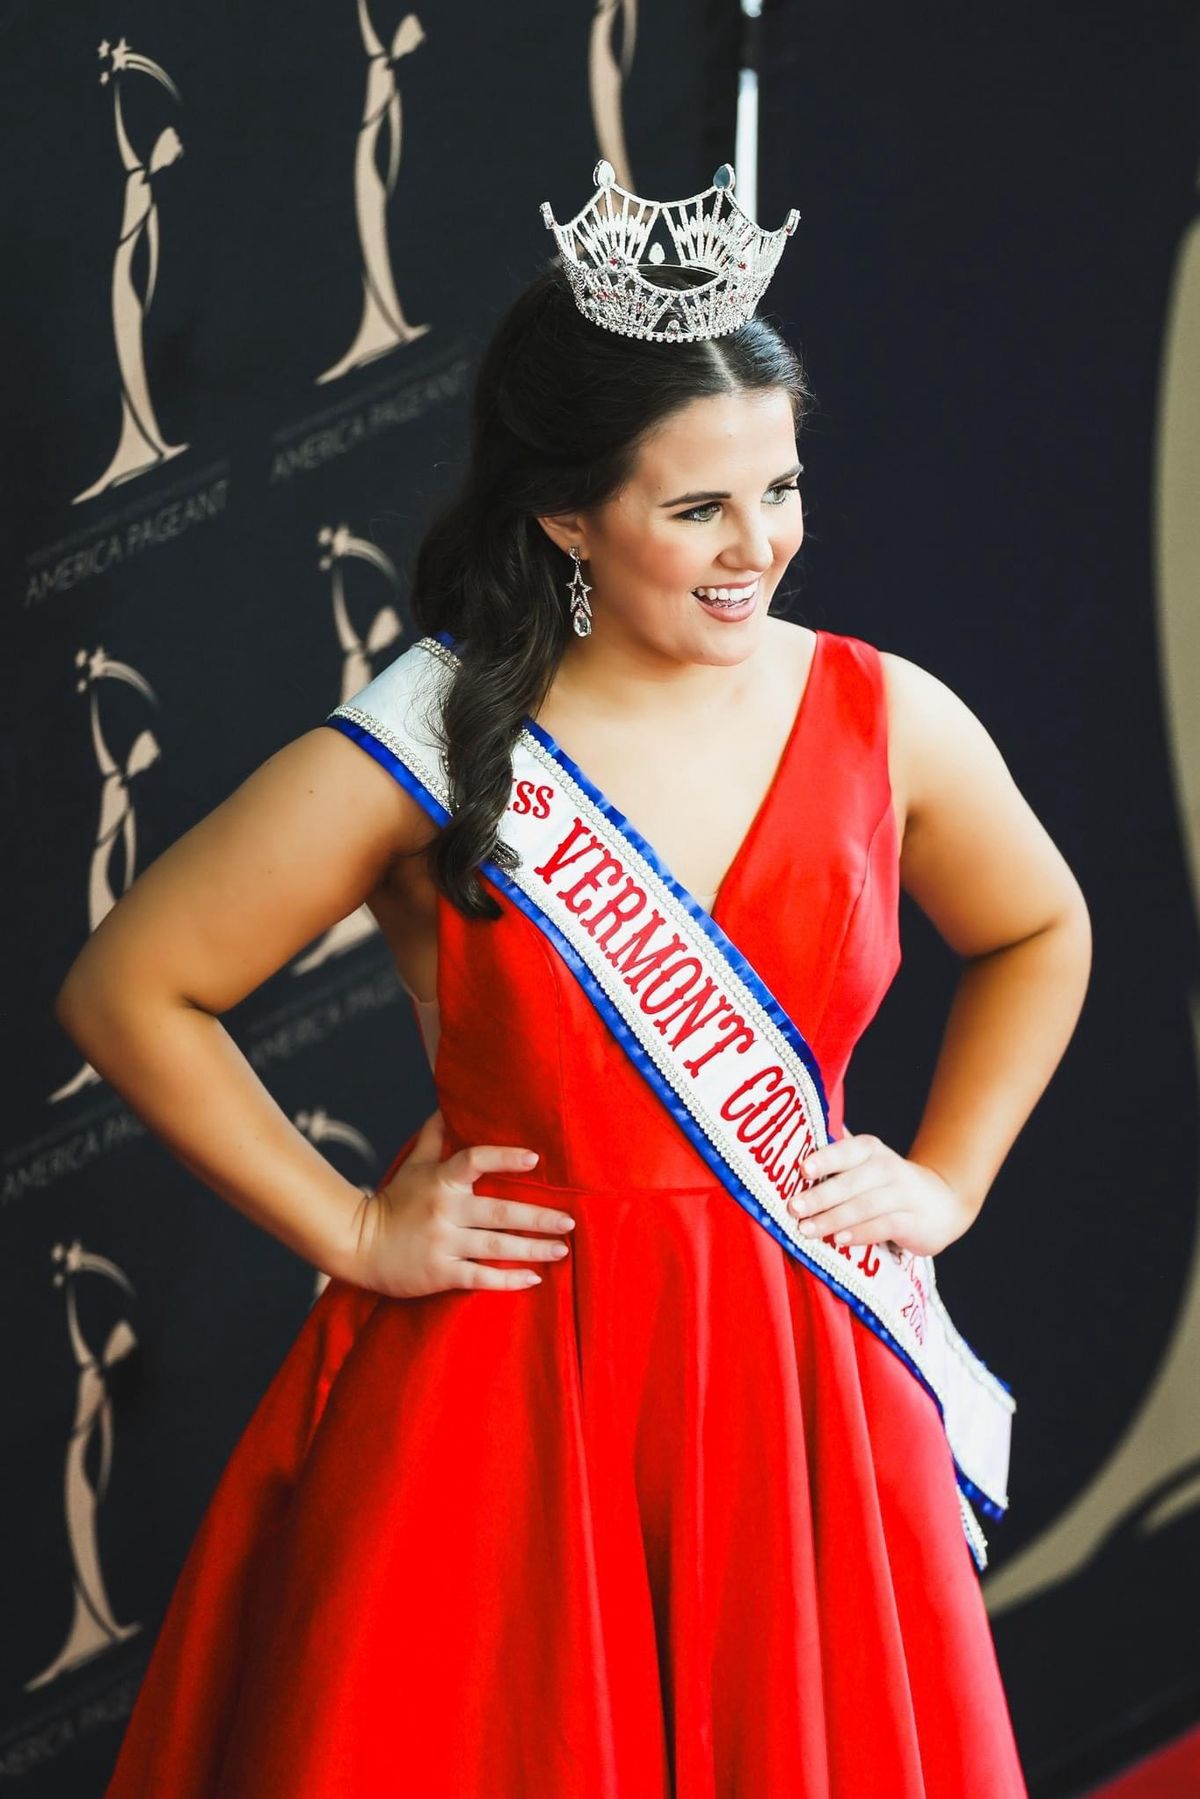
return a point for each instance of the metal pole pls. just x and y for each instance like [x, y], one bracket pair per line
[746, 151]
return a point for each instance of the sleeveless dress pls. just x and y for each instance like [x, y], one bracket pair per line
[674, 1522]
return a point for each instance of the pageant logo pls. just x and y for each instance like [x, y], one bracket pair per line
[88, 1458]
[141, 445]
[361, 650]
[383, 326]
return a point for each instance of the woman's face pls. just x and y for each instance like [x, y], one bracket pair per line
[712, 503]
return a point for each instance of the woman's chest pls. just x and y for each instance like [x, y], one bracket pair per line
[696, 810]
[533, 1048]
[695, 787]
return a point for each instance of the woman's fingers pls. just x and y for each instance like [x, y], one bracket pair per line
[486, 1226]
[833, 1191]
[863, 1220]
[852, 1204]
[466, 1165]
[501, 1246]
[473, 1275]
[847, 1152]
[483, 1210]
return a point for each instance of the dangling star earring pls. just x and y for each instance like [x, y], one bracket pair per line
[581, 612]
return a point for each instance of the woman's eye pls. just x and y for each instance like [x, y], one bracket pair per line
[702, 513]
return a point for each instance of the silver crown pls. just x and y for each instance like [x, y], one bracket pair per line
[602, 247]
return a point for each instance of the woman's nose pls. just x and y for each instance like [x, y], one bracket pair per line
[752, 547]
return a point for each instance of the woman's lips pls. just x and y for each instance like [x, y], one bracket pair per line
[730, 609]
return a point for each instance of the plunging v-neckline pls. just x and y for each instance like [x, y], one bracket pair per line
[756, 823]
[785, 756]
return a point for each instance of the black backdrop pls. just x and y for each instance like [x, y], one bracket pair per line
[994, 281]
[995, 219]
[165, 635]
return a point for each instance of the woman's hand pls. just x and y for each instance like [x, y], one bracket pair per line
[422, 1228]
[868, 1193]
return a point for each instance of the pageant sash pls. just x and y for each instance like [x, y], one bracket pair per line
[700, 1026]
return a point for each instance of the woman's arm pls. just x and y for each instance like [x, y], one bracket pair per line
[307, 838]
[984, 870]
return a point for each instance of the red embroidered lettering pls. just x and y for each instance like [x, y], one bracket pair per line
[787, 1185]
[558, 858]
[521, 804]
[751, 1126]
[914, 1310]
[794, 1179]
[739, 1032]
[773, 1147]
[590, 880]
[668, 974]
[766, 1141]
[626, 905]
[690, 1011]
[751, 1081]
[635, 965]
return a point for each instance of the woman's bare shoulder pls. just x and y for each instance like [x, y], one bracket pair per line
[974, 855]
[928, 723]
[348, 773]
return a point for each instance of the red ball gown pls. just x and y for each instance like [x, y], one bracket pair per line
[674, 1522]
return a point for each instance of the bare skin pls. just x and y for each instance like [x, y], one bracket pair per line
[320, 828]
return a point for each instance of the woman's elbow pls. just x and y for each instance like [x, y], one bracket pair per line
[86, 999]
[75, 1003]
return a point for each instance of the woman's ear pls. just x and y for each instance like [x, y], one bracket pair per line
[565, 529]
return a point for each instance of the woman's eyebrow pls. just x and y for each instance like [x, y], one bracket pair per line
[691, 499]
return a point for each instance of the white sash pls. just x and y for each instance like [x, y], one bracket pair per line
[702, 1028]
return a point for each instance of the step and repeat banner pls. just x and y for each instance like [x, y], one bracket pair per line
[996, 282]
[251, 262]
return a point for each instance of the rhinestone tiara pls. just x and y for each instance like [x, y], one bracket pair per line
[602, 247]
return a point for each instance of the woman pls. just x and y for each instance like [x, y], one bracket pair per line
[673, 1519]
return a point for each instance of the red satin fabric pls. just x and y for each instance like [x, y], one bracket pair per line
[672, 1523]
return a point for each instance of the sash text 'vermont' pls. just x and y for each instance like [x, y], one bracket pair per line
[673, 989]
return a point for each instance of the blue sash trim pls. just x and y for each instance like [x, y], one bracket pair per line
[400, 770]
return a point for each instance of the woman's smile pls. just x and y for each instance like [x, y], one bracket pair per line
[729, 604]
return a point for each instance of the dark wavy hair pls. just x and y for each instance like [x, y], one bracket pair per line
[559, 410]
